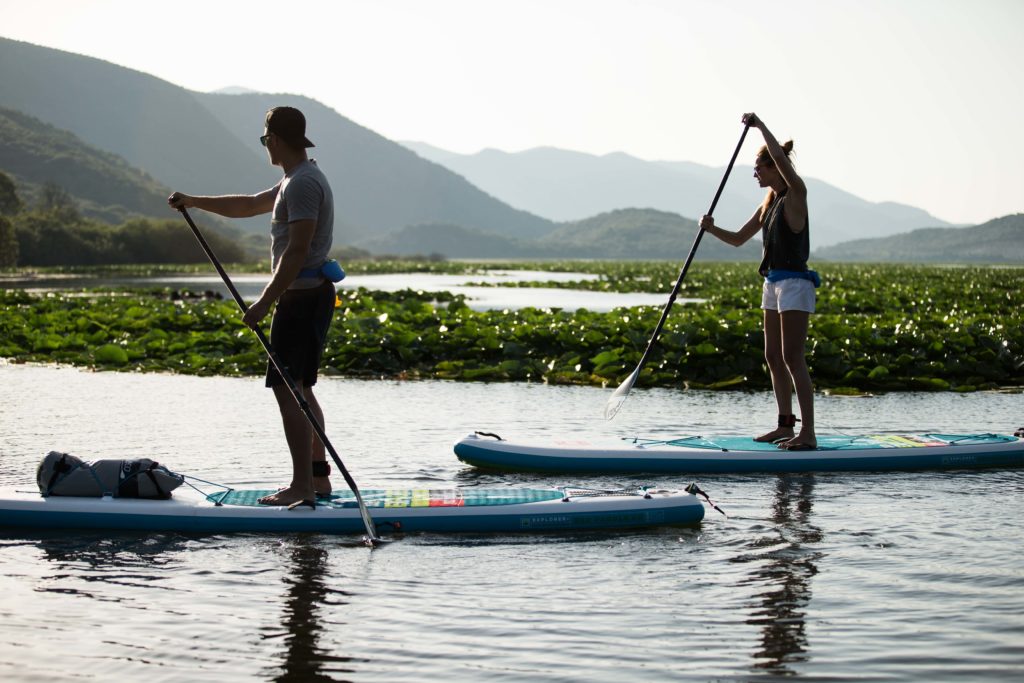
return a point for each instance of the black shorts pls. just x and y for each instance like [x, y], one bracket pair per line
[298, 333]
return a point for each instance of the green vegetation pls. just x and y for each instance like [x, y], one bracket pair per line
[61, 237]
[103, 185]
[55, 233]
[878, 328]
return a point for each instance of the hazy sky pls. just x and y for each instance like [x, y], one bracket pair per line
[914, 101]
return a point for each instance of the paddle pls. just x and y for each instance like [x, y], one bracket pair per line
[615, 402]
[372, 537]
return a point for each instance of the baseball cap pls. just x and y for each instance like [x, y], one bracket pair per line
[290, 124]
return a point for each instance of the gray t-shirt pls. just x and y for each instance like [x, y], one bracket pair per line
[303, 194]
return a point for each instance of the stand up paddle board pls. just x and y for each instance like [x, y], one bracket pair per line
[731, 454]
[407, 510]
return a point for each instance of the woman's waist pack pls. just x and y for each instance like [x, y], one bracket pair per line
[63, 474]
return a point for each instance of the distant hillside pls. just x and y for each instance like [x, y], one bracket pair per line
[379, 186]
[452, 241]
[208, 143]
[623, 234]
[999, 241]
[568, 186]
[154, 125]
[642, 234]
[650, 234]
[104, 185]
[234, 90]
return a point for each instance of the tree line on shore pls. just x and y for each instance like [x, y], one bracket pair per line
[53, 232]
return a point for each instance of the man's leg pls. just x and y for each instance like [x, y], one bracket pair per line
[321, 484]
[299, 434]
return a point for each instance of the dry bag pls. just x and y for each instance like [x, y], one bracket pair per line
[63, 474]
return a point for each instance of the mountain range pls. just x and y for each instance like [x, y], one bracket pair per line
[119, 140]
[570, 186]
[208, 144]
[625, 234]
[998, 241]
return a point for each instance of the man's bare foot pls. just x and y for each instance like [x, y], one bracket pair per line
[288, 496]
[775, 435]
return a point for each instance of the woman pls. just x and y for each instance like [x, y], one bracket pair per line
[788, 296]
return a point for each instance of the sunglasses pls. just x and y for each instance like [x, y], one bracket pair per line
[264, 138]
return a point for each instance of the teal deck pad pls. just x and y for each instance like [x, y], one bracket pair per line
[404, 498]
[828, 443]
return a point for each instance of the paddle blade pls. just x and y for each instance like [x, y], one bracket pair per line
[615, 402]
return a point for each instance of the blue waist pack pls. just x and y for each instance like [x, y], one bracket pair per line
[776, 275]
[330, 269]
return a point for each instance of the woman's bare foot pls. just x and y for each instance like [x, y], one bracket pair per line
[802, 442]
[775, 435]
[288, 496]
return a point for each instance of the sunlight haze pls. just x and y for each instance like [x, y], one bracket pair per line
[911, 101]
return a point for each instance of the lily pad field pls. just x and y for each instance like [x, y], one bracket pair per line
[878, 328]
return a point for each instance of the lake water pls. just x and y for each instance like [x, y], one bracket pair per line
[479, 297]
[834, 577]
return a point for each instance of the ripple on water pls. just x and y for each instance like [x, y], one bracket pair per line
[824, 577]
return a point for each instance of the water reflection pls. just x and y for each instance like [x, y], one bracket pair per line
[784, 569]
[117, 559]
[302, 622]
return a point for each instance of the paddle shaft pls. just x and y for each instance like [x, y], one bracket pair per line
[689, 258]
[286, 376]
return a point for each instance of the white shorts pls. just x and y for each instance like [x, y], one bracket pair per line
[791, 294]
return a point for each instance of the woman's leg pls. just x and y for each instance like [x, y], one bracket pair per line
[794, 342]
[781, 383]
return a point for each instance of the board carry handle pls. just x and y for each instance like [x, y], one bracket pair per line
[489, 434]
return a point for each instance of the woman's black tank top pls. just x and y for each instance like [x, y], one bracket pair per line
[783, 249]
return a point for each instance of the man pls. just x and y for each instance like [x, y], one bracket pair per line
[301, 234]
